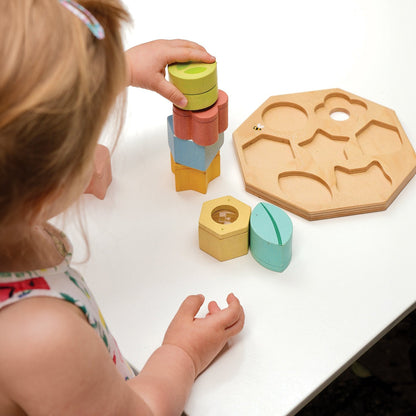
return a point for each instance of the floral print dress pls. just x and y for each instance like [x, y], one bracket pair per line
[64, 283]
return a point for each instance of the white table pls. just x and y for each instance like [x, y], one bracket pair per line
[350, 280]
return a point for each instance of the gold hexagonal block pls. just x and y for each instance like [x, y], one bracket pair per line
[224, 227]
[324, 154]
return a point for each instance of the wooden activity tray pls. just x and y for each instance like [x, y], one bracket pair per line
[324, 154]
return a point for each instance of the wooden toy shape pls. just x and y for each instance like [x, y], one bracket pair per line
[202, 126]
[197, 81]
[295, 152]
[223, 228]
[192, 179]
[190, 154]
[271, 236]
[101, 177]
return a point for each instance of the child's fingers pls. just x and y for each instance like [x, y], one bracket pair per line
[234, 314]
[188, 54]
[190, 306]
[232, 298]
[231, 315]
[237, 326]
[183, 43]
[213, 308]
[193, 48]
[170, 92]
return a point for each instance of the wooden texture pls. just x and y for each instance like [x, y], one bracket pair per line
[203, 127]
[271, 233]
[197, 81]
[102, 176]
[224, 228]
[295, 153]
[187, 179]
[190, 154]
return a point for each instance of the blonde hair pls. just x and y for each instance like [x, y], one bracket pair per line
[58, 84]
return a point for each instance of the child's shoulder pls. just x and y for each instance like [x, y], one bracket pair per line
[38, 333]
[37, 329]
[52, 361]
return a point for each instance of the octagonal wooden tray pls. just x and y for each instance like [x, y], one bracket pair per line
[324, 154]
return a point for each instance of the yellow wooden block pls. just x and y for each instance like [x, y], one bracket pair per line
[187, 178]
[224, 227]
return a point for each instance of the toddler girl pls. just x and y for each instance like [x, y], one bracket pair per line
[63, 70]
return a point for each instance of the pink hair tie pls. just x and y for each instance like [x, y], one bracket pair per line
[83, 14]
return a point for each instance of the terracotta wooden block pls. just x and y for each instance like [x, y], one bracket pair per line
[224, 227]
[297, 152]
[192, 179]
[190, 154]
[101, 177]
[203, 127]
[271, 236]
[197, 81]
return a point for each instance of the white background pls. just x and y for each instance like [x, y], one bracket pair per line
[349, 279]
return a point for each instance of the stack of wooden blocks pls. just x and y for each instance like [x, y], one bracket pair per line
[196, 132]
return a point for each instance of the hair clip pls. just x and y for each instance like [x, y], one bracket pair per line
[83, 14]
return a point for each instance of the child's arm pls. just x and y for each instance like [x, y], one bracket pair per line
[146, 65]
[189, 346]
[54, 363]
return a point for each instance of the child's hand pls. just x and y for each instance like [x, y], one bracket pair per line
[203, 338]
[146, 65]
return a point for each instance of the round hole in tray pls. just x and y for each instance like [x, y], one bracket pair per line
[339, 114]
[224, 214]
[285, 116]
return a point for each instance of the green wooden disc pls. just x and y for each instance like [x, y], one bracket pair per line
[201, 101]
[193, 77]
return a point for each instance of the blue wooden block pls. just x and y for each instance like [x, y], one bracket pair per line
[271, 236]
[190, 154]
